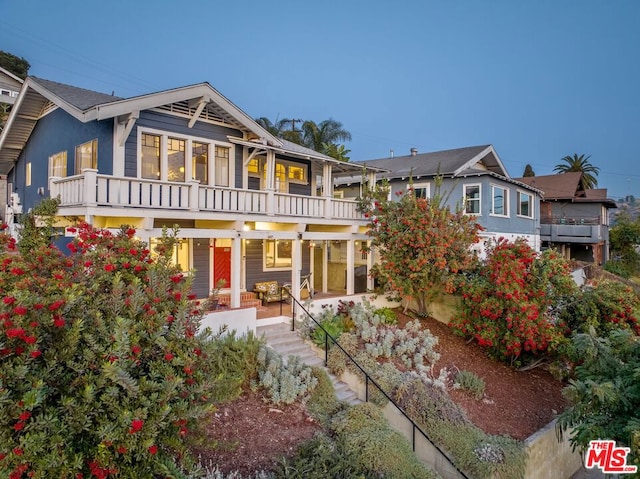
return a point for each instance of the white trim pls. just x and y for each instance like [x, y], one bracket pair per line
[464, 198]
[421, 185]
[478, 157]
[505, 199]
[164, 135]
[531, 204]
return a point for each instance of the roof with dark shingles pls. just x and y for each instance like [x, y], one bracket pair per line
[562, 186]
[428, 164]
[77, 97]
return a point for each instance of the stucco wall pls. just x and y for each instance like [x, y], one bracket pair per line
[550, 458]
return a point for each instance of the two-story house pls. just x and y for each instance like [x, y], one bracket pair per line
[573, 220]
[10, 86]
[474, 178]
[251, 207]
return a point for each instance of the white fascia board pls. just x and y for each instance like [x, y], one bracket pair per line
[9, 74]
[202, 91]
[478, 157]
[68, 107]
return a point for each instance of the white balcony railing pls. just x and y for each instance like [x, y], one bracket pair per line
[93, 189]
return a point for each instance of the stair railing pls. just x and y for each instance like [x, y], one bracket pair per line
[415, 428]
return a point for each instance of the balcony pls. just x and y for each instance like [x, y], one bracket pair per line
[91, 189]
[574, 229]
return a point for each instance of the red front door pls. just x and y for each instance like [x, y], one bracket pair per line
[222, 265]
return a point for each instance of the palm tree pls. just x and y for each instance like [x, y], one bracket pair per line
[582, 165]
[278, 128]
[327, 132]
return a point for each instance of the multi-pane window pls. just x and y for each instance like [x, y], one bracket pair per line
[58, 165]
[499, 201]
[176, 148]
[200, 162]
[277, 254]
[281, 178]
[297, 173]
[472, 199]
[255, 167]
[87, 156]
[27, 174]
[222, 166]
[525, 204]
[150, 156]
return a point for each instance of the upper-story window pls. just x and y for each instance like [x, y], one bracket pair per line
[27, 174]
[285, 173]
[87, 156]
[420, 190]
[58, 165]
[166, 157]
[471, 199]
[150, 161]
[525, 204]
[499, 201]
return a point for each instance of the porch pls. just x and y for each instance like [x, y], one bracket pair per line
[91, 189]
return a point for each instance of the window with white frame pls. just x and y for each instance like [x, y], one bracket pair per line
[27, 174]
[525, 204]
[58, 165]
[181, 254]
[179, 158]
[471, 195]
[87, 156]
[420, 190]
[277, 255]
[285, 173]
[499, 201]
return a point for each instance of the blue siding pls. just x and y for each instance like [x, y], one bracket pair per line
[254, 266]
[513, 224]
[200, 285]
[175, 125]
[56, 132]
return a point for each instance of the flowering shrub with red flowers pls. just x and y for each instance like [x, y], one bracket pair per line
[102, 369]
[511, 306]
[421, 244]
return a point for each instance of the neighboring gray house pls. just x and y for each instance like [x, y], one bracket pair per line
[573, 220]
[10, 86]
[476, 178]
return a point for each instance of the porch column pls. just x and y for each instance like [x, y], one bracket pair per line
[296, 266]
[90, 185]
[194, 200]
[325, 266]
[350, 266]
[327, 189]
[370, 263]
[236, 270]
[270, 186]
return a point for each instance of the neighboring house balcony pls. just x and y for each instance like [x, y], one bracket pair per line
[573, 229]
[91, 190]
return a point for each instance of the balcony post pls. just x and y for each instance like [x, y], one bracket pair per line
[350, 267]
[54, 189]
[194, 196]
[236, 268]
[90, 187]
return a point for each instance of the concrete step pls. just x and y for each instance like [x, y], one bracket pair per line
[289, 343]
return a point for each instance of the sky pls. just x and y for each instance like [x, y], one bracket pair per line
[539, 80]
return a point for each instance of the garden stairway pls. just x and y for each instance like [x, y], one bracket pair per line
[288, 343]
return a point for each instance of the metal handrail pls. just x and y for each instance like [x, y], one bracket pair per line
[368, 379]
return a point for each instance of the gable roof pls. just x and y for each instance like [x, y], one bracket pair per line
[567, 187]
[39, 96]
[447, 162]
[16, 80]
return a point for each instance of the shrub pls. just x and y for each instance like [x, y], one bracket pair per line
[374, 446]
[319, 458]
[387, 315]
[509, 307]
[323, 403]
[284, 382]
[103, 371]
[604, 306]
[470, 382]
[473, 451]
[334, 326]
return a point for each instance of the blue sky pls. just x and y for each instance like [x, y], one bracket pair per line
[539, 79]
